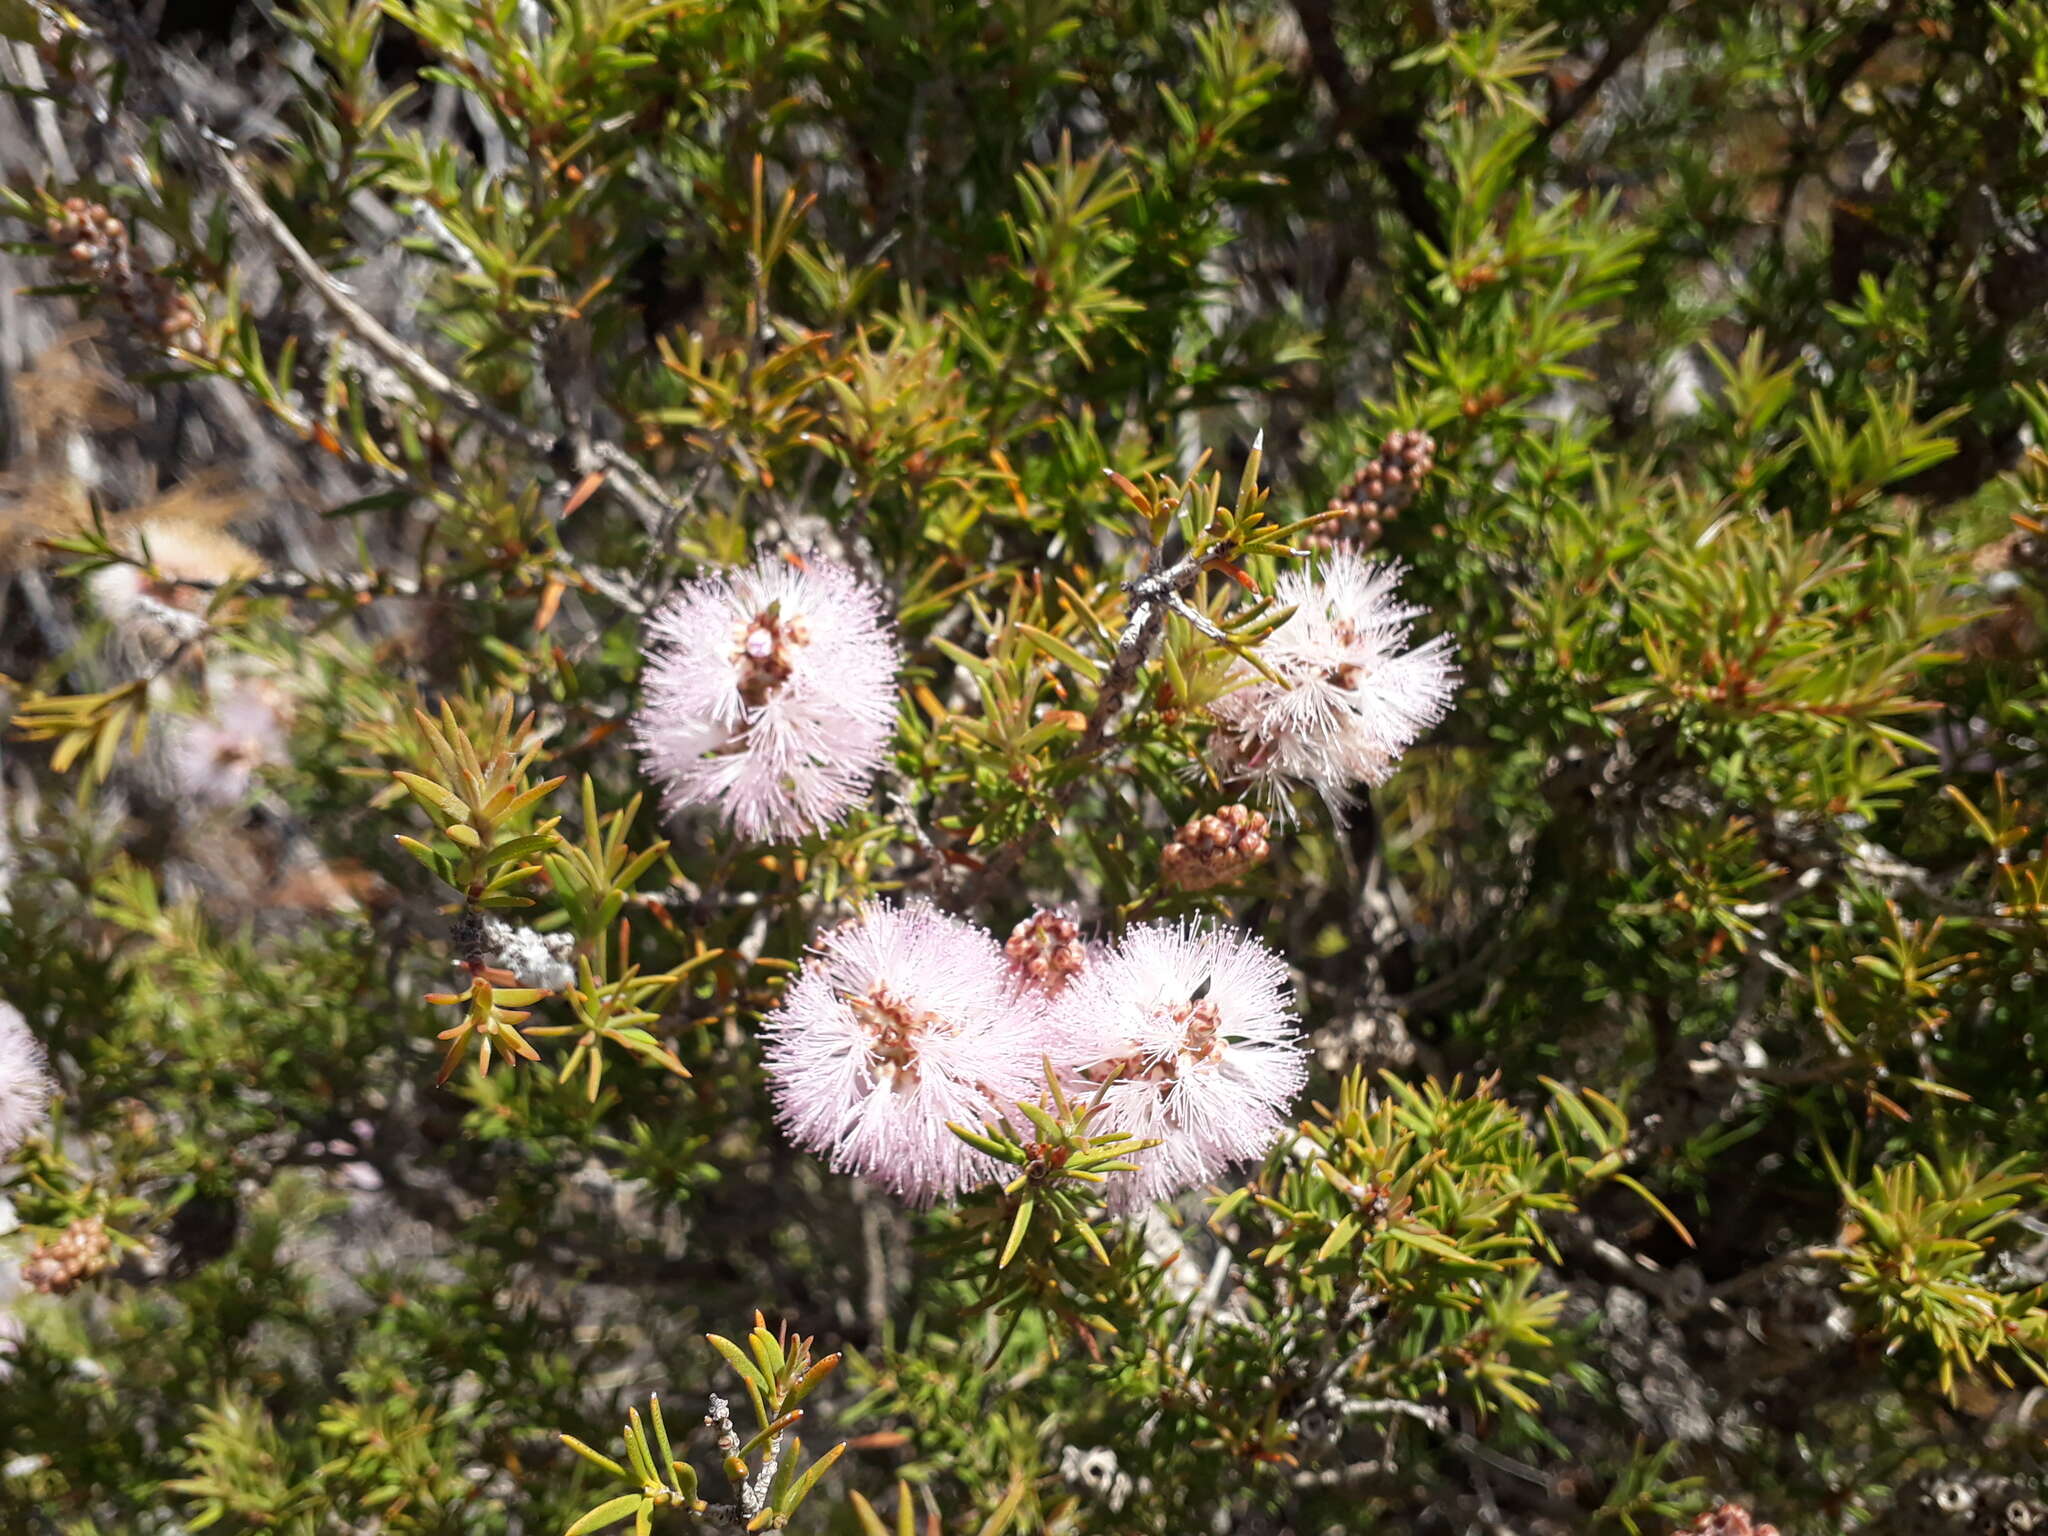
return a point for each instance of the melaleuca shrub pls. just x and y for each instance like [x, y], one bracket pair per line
[1268, 768]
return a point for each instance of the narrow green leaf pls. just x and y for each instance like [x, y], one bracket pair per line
[801, 1488]
[610, 1512]
[1018, 1227]
[1061, 651]
[870, 1522]
[737, 1359]
[596, 1458]
[435, 797]
[1339, 1239]
[998, 1521]
[1435, 1246]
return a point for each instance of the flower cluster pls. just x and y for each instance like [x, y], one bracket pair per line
[902, 1021]
[771, 695]
[97, 248]
[1186, 1033]
[215, 755]
[80, 1252]
[1214, 850]
[1379, 491]
[905, 1021]
[1351, 696]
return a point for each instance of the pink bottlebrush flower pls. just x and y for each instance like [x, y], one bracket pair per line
[1355, 697]
[214, 756]
[1192, 1028]
[771, 694]
[902, 1020]
[25, 1085]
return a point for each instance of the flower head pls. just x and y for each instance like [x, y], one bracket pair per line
[771, 694]
[214, 756]
[901, 1021]
[182, 549]
[25, 1085]
[1355, 697]
[1192, 1029]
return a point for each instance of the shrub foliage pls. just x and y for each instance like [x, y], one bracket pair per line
[1675, 1135]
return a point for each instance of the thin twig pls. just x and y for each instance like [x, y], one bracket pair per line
[373, 584]
[1153, 595]
[630, 483]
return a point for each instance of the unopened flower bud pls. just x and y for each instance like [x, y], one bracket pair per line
[97, 246]
[83, 1251]
[1046, 952]
[1379, 491]
[1215, 850]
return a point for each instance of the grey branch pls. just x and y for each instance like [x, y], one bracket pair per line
[1153, 596]
[633, 484]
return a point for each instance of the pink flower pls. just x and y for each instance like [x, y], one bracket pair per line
[902, 1020]
[214, 756]
[25, 1085]
[1193, 1029]
[771, 694]
[1355, 697]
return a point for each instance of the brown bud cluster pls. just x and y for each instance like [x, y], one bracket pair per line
[1046, 950]
[1214, 850]
[1379, 491]
[84, 1250]
[1728, 1520]
[95, 245]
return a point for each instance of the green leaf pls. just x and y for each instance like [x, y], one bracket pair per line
[1408, 1237]
[737, 1359]
[974, 664]
[1339, 1239]
[870, 1522]
[1061, 651]
[1626, 1182]
[661, 1444]
[1004, 1513]
[435, 797]
[801, 1488]
[609, 1513]
[597, 1458]
[380, 501]
[1019, 1225]
[436, 862]
[1006, 1151]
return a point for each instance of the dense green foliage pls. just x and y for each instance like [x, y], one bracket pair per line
[1678, 1128]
